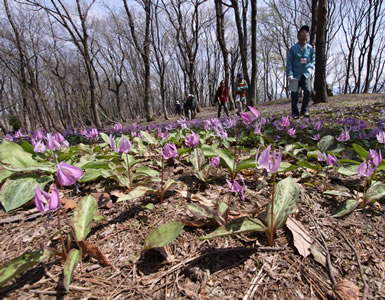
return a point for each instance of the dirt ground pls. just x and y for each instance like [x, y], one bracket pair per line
[235, 267]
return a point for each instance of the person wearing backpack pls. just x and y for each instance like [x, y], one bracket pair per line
[240, 87]
[221, 95]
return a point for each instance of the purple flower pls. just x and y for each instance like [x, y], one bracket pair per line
[161, 134]
[112, 143]
[269, 162]
[247, 118]
[291, 132]
[344, 136]
[45, 202]
[169, 151]
[257, 129]
[235, 187]
[366, 169]
[9, 137]
[67, 174]
[214, 161]
[381, 137]
[254, 111]
[52, 143]
[191, 140]
[38, 135]
[317, 125]
[316, 137]
[18, 134]
[285, 122]
[321, 156]
[331, 159]
[125, 145]
[58, 137]
[39, 147]
[117, 127]
[374, 157]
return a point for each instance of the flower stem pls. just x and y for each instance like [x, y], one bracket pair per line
[272, 225]
[129, 173]
[61, 233]
[363, 194]
[161, 196]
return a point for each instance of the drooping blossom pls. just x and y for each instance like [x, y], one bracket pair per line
[52, 143]
[316, 137]
[291, 131]
[269, 161]
[39, 147]
[67, 174]
[214, 161]
[19, 134]
[45, 202]
[247, 118]
[254, 111]
[162, 134]
[285, 122]
[112, 143]
[381, 137]
[374, 157]
[192, 140]
[125, 145]
[366, 169]
[117, 127]
[38, 135]
[344, 136]
[169, 151]
[257, 129]
[317, 125]
[235, 187]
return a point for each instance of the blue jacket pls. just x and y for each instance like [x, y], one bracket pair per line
[299, 61]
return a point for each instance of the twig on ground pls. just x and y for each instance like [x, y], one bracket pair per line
[254, 284]
[351, 245]
[328, 260]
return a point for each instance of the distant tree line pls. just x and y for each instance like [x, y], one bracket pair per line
[84, 63]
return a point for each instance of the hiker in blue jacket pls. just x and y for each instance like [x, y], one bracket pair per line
[299, 68]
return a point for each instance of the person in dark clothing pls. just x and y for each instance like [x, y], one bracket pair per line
[221, 95]
[190, 107]
[178, 108]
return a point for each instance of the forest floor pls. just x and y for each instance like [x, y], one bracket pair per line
[234, 267]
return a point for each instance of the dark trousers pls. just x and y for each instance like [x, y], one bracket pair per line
[304, 83]
[224, 104]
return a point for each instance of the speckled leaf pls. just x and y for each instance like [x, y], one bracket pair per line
[163, 235]
[361, 151]
[21, 264]
[72, 260]
[285, 202]
[15, 156]
[138, 192]
[237, 226]
[18, 190]
[348, 170]
[375, 192]
[325, 143]
[83, 216]
[346, 208]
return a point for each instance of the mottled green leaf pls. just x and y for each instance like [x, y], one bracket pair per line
[14, 155]
[348, 170]
[237, 226]
[18, 190]
[137, 192]
[4, 174]
[247, 163]
[90, 175]
[375, 192]
[326, 142]
[83, 216]
[163, 235]
[72, 260]
[347, 207]
[227, 159]
[146, 171]
[148, 138]
[285, 202]
[361, 152]
[21, 264]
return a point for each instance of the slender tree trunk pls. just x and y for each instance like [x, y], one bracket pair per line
[320, 63]
[253, 82]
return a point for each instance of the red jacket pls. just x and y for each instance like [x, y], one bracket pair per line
[222, 94]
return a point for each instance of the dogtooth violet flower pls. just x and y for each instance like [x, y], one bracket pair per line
[374, 157]
[247, 118]
[125, 145]
[191, 140]
[67, 174]
[39, 147]
[291, 131]
[366, 169]
[52, 143]
[235, 187]
[381, 137]
[45, 202]
[285, 122]
[214, 161]
[169, 151]
[269, 161]
[344, 136]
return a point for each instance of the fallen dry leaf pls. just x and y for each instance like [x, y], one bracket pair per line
[104, 200]
[345, 290]
[94, 251]
[302, 239]
[68, 203]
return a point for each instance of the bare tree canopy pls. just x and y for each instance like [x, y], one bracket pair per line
[89, 63]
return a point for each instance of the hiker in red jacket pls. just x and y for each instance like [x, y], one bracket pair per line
[222, 93]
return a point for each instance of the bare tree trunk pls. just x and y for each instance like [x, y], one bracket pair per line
[253, 82]
[220, 17]
[23, 80]
[320, 63]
